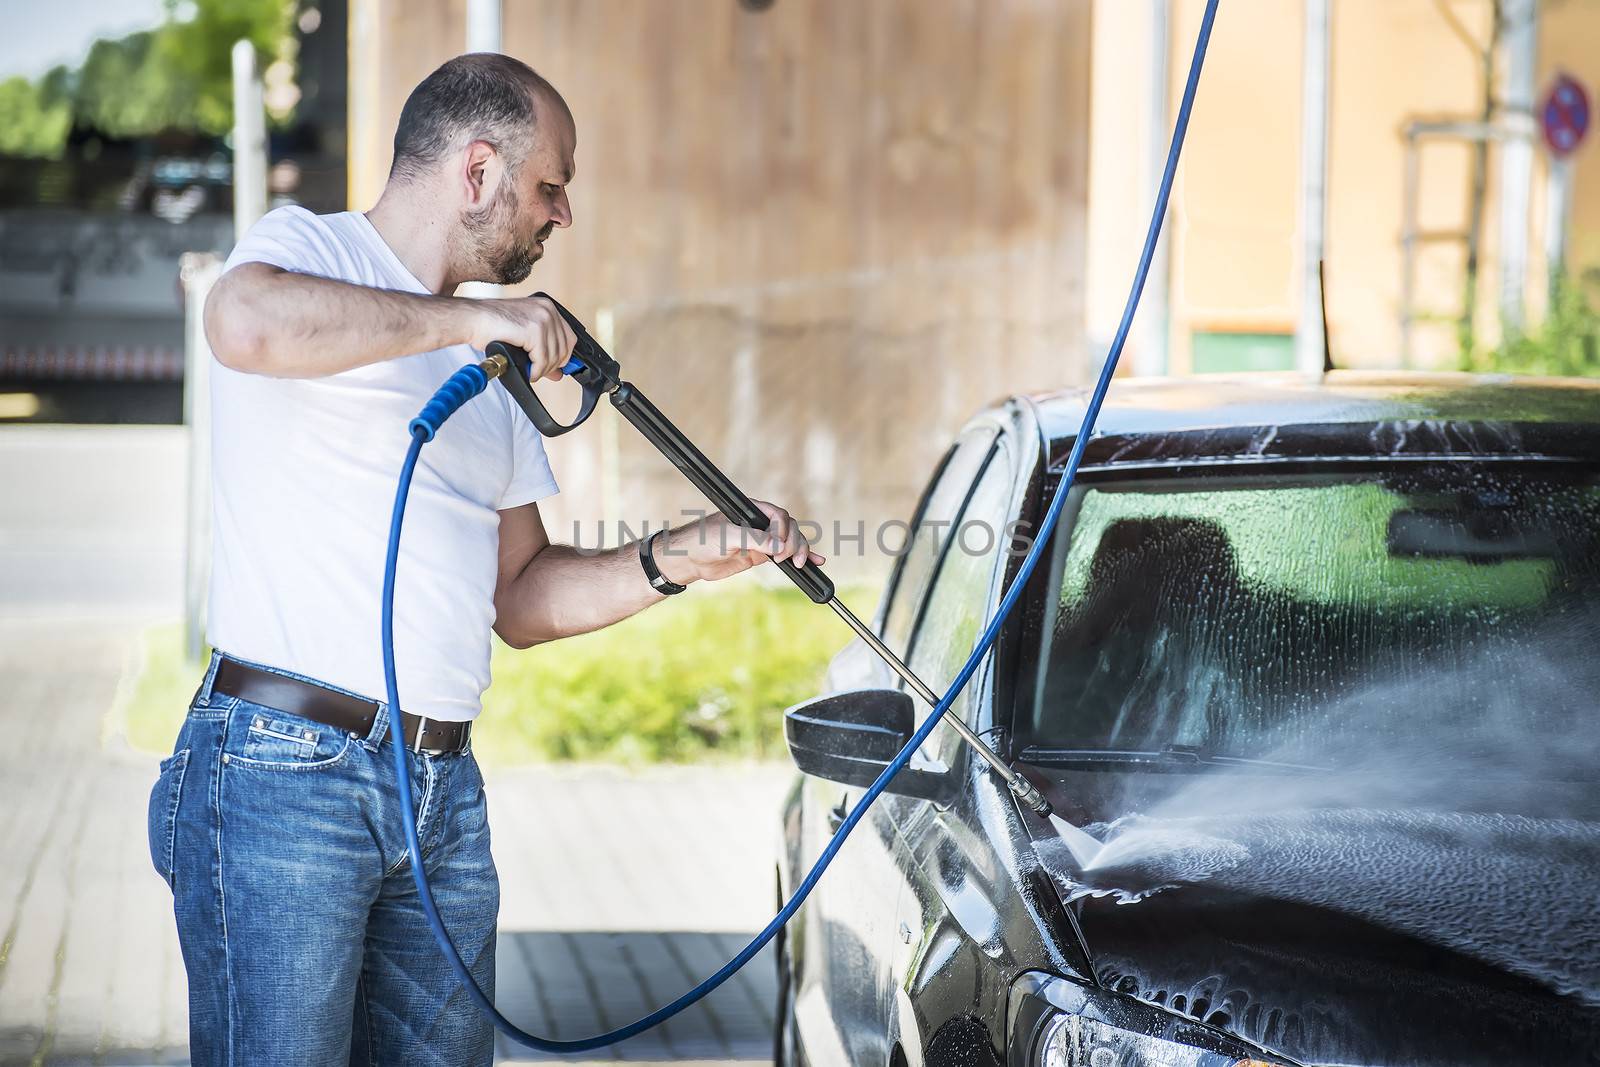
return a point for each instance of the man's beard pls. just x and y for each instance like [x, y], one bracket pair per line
[505, 259]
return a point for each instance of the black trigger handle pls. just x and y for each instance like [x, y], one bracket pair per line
[590, 366]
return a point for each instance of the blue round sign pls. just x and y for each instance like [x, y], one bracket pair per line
[1565, 116]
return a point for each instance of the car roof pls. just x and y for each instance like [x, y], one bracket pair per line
[1168, 405]
[1436, 412]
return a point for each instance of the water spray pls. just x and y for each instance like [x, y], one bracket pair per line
[599, 374]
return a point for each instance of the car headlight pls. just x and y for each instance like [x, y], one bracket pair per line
[1060, 1023]
[1073, 1041]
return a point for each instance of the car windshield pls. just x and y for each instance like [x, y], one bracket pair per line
[1273, 616]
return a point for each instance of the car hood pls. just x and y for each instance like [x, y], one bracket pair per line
[1352, 935]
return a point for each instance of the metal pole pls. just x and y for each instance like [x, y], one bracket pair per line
[610, 439]
[1516, 161]
[1308, 339]
[1467, 324]
[249, 141]
[1150, 355]
[483, 26]
[483, 35]
[1557, 220]
[1409, 208]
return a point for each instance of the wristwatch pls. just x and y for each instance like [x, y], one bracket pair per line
[647, 559]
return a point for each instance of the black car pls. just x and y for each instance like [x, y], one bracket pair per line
[1313, 665]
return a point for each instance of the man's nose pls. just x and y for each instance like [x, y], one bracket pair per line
[563, 213]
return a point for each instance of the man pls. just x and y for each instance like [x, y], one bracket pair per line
[276, 821]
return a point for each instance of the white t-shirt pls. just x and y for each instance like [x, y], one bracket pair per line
[303, 482]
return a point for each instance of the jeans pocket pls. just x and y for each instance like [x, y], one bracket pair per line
[268, 739]
[162, 820]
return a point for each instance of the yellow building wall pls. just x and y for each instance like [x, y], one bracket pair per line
[1235, 226]
[1394, 62]
[1234, 252]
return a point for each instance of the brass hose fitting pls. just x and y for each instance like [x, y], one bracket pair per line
[494, 366]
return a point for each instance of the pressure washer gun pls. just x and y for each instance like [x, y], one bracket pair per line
[594, 369]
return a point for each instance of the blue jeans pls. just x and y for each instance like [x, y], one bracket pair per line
[302, 935]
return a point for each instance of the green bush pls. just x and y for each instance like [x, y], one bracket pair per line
[1565, 344]
[703, 675]
[31, 124]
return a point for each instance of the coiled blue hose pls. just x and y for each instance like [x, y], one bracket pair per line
[469, 381]
[459, 388]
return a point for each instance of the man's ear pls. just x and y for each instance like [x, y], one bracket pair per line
[481, 172]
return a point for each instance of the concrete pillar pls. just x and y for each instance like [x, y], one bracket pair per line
[197, 271]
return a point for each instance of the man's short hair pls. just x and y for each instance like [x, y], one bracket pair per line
[483, 96]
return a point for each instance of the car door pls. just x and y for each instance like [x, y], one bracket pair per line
[953, 903]
[851, 935]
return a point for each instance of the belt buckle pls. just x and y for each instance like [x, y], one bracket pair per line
[416, 744]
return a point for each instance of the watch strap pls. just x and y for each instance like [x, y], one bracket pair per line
[647, 559]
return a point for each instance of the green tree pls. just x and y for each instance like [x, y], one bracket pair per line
[198, 51]
[31, 124]
[179, 75]
[176, 76]
[123, 91]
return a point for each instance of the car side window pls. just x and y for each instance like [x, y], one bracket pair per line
[940, 509]
[958, 603]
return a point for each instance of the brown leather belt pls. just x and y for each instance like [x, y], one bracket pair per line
[332, 708]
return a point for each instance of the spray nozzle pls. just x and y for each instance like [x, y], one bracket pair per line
[1029, 794]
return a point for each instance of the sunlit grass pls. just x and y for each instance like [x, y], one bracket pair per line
[158, 694]
[18, 405]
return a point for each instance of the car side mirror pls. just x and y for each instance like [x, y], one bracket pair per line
[850, 737]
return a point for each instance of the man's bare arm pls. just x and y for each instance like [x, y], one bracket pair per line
[530, 604]
[546, 591]
[261, 319]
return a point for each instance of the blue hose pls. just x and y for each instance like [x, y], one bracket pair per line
[459, 388]
[462, 386]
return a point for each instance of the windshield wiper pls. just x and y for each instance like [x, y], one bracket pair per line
[1169, 757]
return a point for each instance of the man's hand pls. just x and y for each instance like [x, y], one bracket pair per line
[716, 547]
[532, 323]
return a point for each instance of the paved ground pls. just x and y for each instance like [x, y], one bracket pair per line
[618, 891]
[623, 891]
[92, 520]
